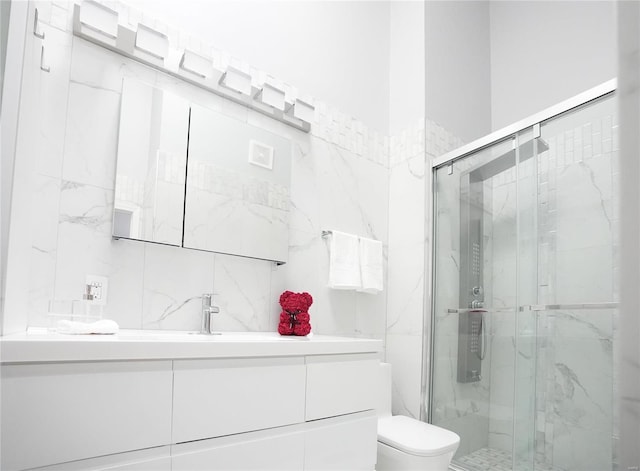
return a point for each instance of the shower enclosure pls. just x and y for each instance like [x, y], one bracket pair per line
[525, 292]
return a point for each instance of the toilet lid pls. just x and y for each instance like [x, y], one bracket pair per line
[415, 437]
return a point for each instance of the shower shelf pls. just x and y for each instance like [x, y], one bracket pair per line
[539, 307]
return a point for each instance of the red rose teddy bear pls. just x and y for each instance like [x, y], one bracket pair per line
[294, 318]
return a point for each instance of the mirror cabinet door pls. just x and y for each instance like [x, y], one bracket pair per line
[152, 156]
[238, 180]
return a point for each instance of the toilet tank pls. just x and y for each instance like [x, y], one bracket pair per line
[384, 390]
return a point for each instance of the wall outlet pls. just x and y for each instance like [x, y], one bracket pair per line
[96, 289]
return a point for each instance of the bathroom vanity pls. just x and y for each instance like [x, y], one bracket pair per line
[145, 400]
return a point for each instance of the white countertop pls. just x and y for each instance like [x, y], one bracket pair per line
[40, 345]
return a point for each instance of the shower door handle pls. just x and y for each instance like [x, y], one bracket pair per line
[576, 306]
[464, 310]
[540, 307]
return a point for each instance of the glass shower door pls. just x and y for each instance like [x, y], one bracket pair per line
[475, 304]
[525, 297]
[576, 308]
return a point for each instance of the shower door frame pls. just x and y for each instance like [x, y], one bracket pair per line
[449, 159]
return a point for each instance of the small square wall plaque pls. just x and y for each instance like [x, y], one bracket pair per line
[260, 154]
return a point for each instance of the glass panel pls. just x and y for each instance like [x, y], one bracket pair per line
[577, 233]
[574, 429]
[525, 297]
[474, 303]
[577, 187]
[525, 334]
[152, 157]
[238, 185]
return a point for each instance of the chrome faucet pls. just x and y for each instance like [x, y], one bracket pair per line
[207, 312]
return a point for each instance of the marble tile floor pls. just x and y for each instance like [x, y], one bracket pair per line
[489, 459]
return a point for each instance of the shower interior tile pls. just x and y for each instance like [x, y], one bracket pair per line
[583, 450]
[595, 283]
[490, 459]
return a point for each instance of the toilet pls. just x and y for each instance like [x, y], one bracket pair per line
[406, 444]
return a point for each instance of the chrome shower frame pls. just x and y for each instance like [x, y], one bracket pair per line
[448, 159]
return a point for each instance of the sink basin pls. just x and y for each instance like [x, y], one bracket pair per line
[195, 336]
[39, 344]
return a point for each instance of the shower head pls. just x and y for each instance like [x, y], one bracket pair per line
[505, 161]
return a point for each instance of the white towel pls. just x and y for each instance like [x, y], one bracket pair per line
[371, 265]
[104, 326]
[344, 261]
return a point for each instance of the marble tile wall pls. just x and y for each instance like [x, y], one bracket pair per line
[404, 325]
[409, 247]
[340, 180]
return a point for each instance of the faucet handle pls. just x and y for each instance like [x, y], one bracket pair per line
[207, 311]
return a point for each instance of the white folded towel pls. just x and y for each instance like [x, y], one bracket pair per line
[371, 265]
[344, 261]
[104, 326]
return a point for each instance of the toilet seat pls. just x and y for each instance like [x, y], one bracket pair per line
[415, 437]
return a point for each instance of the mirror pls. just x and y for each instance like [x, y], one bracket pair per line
[150, 173]
[238, 179]
[231, 195]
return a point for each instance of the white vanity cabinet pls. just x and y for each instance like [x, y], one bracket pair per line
[60, 412]
[279, 449]
[217, 397]
[341, 384]
[207, 407]
[310, 413]
[348, 442]
[150, 459]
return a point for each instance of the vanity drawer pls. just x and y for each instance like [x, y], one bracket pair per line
[341, 443]
[150, 459]
[280, 449]
[341, 384]
[213, 398]
[73, 411]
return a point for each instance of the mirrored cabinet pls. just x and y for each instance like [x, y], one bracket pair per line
[192, 177]
[152, 158]
[237, 195]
